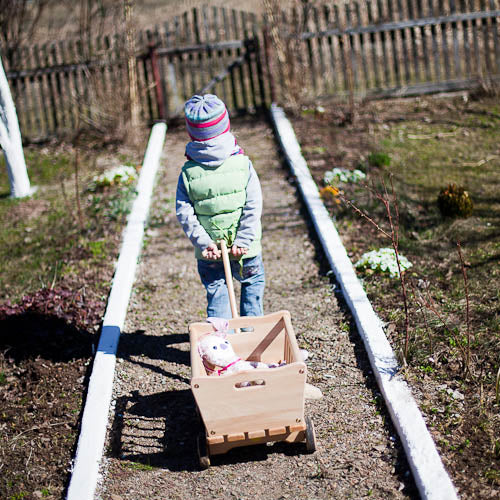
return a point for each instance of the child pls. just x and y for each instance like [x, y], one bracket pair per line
[219, 197]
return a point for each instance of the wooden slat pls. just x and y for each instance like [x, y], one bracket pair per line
[435, 47]
[496, 41]
[35, 94]
[219, 54]
[200, 69]
[259, 59]
[413, 37]
[444, 40]
[362, 46]
[249, 60]
[351, 52]
[423, 36]
[384, 44]
[331, 50]
[342, 49]
[475, 40]
[404, 43]
[394, 49]
[229, 53]
[466, 41]
[321, 57]
[236, 33]
[486, 39]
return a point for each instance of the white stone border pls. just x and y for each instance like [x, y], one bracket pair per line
[95, 415]
[431, 478]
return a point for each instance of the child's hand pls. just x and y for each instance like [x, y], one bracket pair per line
[238, 251]
[211, 252]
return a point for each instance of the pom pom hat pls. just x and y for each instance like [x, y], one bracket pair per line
[206, 117]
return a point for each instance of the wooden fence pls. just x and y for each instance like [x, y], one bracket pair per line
[377, 47]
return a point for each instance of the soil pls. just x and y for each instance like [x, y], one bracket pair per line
[151, 450]
[45, 349]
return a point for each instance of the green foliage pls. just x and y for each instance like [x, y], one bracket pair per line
[379, 159]
[454, 201]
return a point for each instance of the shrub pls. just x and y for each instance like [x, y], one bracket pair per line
[454, 201]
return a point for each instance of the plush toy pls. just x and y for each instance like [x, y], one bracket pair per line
[218, 355]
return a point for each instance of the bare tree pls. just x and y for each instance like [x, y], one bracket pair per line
[18, 21]
[10, 141]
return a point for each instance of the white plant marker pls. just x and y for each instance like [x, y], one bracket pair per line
[431, 478]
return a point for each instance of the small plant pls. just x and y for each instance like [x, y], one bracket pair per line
[122, 175]
[330, 193]
[333, 177]
[454, 201]
[384, 260]
[379, 159]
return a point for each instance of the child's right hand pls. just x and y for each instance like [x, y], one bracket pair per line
[211, 252]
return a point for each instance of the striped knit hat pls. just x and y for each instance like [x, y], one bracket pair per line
[206, 117]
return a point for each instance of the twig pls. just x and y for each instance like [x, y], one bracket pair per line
[429, 304]
[467, 302]
[497, 387]
[77, 190]
[394, 237]
[38, 427]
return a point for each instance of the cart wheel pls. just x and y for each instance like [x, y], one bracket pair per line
[202, 451]
[310, 435]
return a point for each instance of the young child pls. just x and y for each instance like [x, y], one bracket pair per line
[219, 197]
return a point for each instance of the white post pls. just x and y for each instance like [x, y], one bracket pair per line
[10, 141]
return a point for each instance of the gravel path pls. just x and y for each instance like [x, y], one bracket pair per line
[151, 450]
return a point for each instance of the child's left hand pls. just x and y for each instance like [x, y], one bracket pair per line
[238, 251]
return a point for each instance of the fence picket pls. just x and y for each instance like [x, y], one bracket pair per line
[494, 34]
[413, 36]
[486, 38]
[321, 57]
[362, 45]
[342, 48]
[384, 43]
[331, 51]
[236, 32]
[404, 45]
[353, 64]
[229, 54]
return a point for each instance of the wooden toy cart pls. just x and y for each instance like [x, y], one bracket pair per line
[271, 407]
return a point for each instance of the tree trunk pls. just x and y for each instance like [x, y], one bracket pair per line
[10, 141]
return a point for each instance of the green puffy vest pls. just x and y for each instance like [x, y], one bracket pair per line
[219, 195]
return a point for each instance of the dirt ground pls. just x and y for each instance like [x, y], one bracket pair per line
[151, 450]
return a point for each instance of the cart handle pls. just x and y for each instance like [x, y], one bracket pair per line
[229, 278]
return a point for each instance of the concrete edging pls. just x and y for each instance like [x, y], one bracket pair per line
[95, 415]
[431, 478]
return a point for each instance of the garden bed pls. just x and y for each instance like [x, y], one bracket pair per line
[418, 147]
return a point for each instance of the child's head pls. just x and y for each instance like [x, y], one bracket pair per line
[206, 117]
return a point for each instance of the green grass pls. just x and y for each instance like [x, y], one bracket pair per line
[42, 239]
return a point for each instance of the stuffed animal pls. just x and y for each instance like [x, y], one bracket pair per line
[218, 355]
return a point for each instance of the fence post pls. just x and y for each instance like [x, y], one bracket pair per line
[157, 81]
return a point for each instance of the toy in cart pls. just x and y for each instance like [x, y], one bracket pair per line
[258, 396]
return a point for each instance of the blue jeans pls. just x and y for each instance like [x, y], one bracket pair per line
[252, 281]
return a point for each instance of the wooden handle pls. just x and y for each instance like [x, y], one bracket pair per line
[229, 278]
